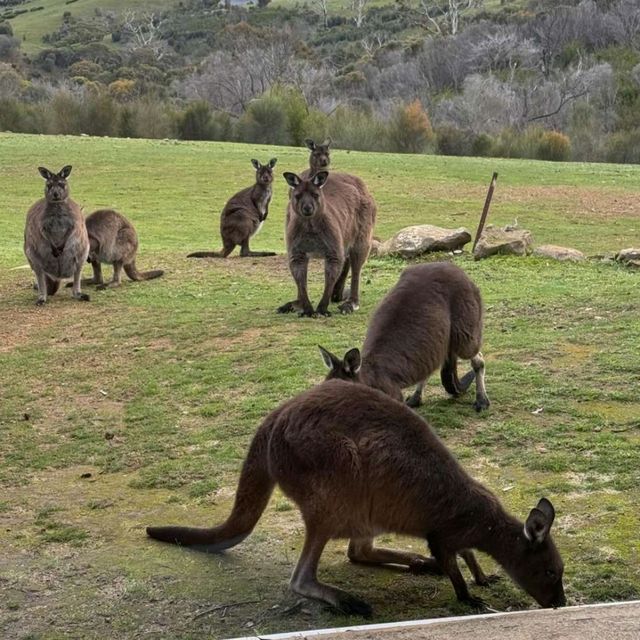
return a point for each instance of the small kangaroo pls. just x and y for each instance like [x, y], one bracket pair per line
[432, 317]
[334, 223]
[113, 240]
[358, 464]
[243, 216]
[55, 237]
[320, 157]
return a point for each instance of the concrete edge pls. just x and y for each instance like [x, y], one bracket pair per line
[314, 633]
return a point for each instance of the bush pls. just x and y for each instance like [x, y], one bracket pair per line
[482, 145]
[195, 122]
[452, 142]
[410, 129]
[624, 147]
[554, 146]
[264, 122]
[357, 129]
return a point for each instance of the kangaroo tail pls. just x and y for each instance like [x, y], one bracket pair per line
[206, 254]
[254, 490]
[132, 271]
[450, 380]
[52, 285]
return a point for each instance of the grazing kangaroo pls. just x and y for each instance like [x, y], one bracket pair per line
[358, 464]
[243, 216]
[432, 317]
[55, 237]
[113, 240]
[336, 224]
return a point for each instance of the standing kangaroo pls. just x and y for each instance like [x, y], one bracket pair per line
[432, 317]
[335, 223]
[243, 216]
[358, 464]
[320, 157]
[55, 237]
[113, 240]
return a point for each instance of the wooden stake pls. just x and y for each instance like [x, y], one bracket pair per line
[485, 211]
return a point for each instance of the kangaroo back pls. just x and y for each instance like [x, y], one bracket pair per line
[254, 490]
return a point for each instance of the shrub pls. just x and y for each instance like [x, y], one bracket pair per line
[482, 145]
[410, 129]
[357, 129]
[195, 122]
[554, 146]
[624, 147]
[452, 142]
[264, 122]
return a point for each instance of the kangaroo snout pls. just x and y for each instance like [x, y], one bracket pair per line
[307, 209]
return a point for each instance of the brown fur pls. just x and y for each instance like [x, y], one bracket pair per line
[244, 215]
[333, 220]
[113, 240]
[55, 237]
[358, 464]
[432, 317]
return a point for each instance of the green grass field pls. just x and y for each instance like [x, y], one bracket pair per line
[155, 390]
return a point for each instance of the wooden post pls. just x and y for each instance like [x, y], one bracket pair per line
[485, 211]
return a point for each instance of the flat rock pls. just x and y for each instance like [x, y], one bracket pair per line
[628, 255]
[508, 241]
[413, 241]
[558, 253]
[375, 247]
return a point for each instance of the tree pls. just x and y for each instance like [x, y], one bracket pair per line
[449, 14]
[324, 8]
[358, 7]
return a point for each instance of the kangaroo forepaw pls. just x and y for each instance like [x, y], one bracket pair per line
[325, 313]
[308, 313]
[40, 302]
[481, 404]
[288, 307]
[352, 606]
[413, 402]
[425, 565]
[82, 296]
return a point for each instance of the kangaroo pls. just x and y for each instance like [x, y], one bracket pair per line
[243, 216]
[336, 224]
[55, 237]
[432, 317]
[113, 240]
[357, 464]
[320, 157]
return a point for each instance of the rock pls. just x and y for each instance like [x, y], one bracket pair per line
[413, 241]
[628, 255]
[558, 253]
[493, 241]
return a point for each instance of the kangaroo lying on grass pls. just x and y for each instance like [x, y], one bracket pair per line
[336, 224]
[359, 464]
[113, 240]
[244, 215]
[55, 237]
[432, 317]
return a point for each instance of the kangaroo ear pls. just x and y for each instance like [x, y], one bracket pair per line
[311, 145]
[256, 164]
[329, 359]
[327, 142]
[45, 173]
[320, 178]
[352, 361]
[539, 522]
[292, 179]
[272, 162]
[65, 171]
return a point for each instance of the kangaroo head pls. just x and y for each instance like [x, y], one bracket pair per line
[306, 196]
[538, 567]
[264, 172]
[320, 156]
[56, 188]
[347, 369]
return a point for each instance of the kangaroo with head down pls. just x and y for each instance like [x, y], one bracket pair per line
[55, 237]
[432, 317]
[358, 464]
[335, 224]
[113, 240]
[244, 214]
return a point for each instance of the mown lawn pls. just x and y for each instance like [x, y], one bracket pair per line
[155, 390]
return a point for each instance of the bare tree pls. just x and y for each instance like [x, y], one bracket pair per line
[358, 7]
[143, 32]
[373, 43]
[449, 14]
[323, 5]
